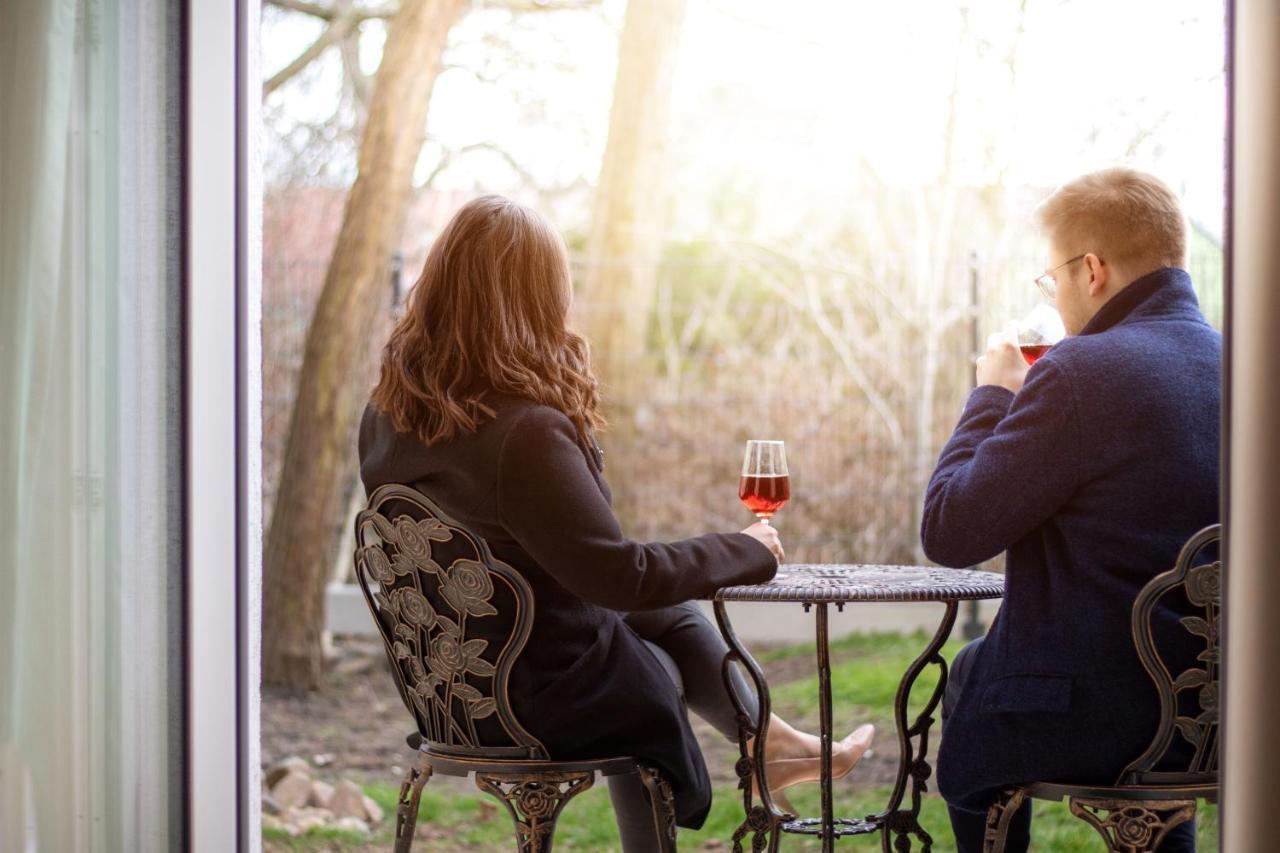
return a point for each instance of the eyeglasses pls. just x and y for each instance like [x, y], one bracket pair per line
[1048, 284]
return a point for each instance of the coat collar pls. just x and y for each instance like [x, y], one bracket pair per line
[1165, 293]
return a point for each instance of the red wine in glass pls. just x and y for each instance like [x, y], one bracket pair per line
[765, 495]
[765, 486]
[1032, 352]
[1038, 331]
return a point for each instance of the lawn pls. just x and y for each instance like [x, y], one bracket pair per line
[865, 672]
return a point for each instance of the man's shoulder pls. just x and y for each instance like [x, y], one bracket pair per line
[1132, 344]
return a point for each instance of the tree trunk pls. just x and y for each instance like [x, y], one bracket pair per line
[626, 236]
[331, 384]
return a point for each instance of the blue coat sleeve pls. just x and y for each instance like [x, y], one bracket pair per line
[550, 503]
[1011, 462]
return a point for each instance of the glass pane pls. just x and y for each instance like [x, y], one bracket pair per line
[90, 495]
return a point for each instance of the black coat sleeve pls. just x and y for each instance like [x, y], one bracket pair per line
[549, 501]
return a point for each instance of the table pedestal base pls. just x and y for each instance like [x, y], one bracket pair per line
[765, 822]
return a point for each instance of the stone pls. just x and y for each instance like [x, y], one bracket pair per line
[372, 811]
[321, 795]
[352, 666]
[307, 819]
[278, 770]
[269, 804]
[292, 790]
[348, 800]
[275, 823]
[352, 824]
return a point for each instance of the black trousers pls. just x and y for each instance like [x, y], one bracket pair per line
[970, 827]
[692, 651]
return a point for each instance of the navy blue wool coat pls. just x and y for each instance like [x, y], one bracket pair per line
[1090, 478]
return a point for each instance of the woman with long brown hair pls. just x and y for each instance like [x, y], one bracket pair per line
[487, 405]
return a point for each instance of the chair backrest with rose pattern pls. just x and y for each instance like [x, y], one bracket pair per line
[453, 619]
[1189, 701]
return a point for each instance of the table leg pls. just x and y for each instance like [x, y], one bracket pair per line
[912, 762]
[824, 727]
[762, 821]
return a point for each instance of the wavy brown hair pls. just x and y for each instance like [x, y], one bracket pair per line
[488, 315]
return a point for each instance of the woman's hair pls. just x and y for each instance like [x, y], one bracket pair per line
[488, 314]
[1124, 216]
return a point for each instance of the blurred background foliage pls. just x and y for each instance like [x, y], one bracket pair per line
[788, 221]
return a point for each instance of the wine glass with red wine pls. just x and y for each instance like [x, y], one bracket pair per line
[1038, 331]
[765, 485]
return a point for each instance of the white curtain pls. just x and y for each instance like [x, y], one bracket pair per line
[89, 563]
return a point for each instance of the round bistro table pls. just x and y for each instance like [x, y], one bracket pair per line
[817, 587]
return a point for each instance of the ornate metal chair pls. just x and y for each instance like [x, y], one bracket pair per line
[1135, 814]
[453, 620]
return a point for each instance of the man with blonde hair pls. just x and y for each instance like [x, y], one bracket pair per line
[1089, 470]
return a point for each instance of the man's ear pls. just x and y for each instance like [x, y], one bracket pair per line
[1099, 274]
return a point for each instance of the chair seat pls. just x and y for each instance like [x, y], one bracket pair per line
[1058, 792]
[456, 765]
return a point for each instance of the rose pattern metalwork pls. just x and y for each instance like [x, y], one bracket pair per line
[445, 656]
[468, 588]
[377, 564]
[536, 801]
[413, 607]
[415, 537]
[1135, 829]
[402, 566]
[438, 662]
[1204, 584]
[534, 804]
[417, 671]
[412, 543]
[1128, 826]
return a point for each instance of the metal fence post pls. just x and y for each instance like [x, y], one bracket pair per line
[972, 627]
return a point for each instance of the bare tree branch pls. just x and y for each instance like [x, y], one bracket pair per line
[360, 82]
[315, 10]
[479, 75]
[385, 11]
[332, 34]
[540, 5]
[452, 156]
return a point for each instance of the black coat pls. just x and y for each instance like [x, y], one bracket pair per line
[586, 685]
[1092, 477]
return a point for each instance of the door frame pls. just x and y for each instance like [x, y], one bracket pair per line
[222, 204]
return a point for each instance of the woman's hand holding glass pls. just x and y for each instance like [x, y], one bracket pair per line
[767, 535]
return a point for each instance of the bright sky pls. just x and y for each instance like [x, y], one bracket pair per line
[793, 102]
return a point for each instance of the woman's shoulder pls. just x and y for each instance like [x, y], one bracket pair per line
[524, 414]
[513, 421]
[374, 425]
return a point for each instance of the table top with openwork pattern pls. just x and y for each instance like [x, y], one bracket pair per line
[839, 583]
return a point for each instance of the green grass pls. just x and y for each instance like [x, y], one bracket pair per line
[470, 821]
[865, 673]
[319, 838]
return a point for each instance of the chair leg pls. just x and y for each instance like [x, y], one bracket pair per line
[1132, 826]
[998, 818]
[407, 809]
[662, 801]
[534, 802]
